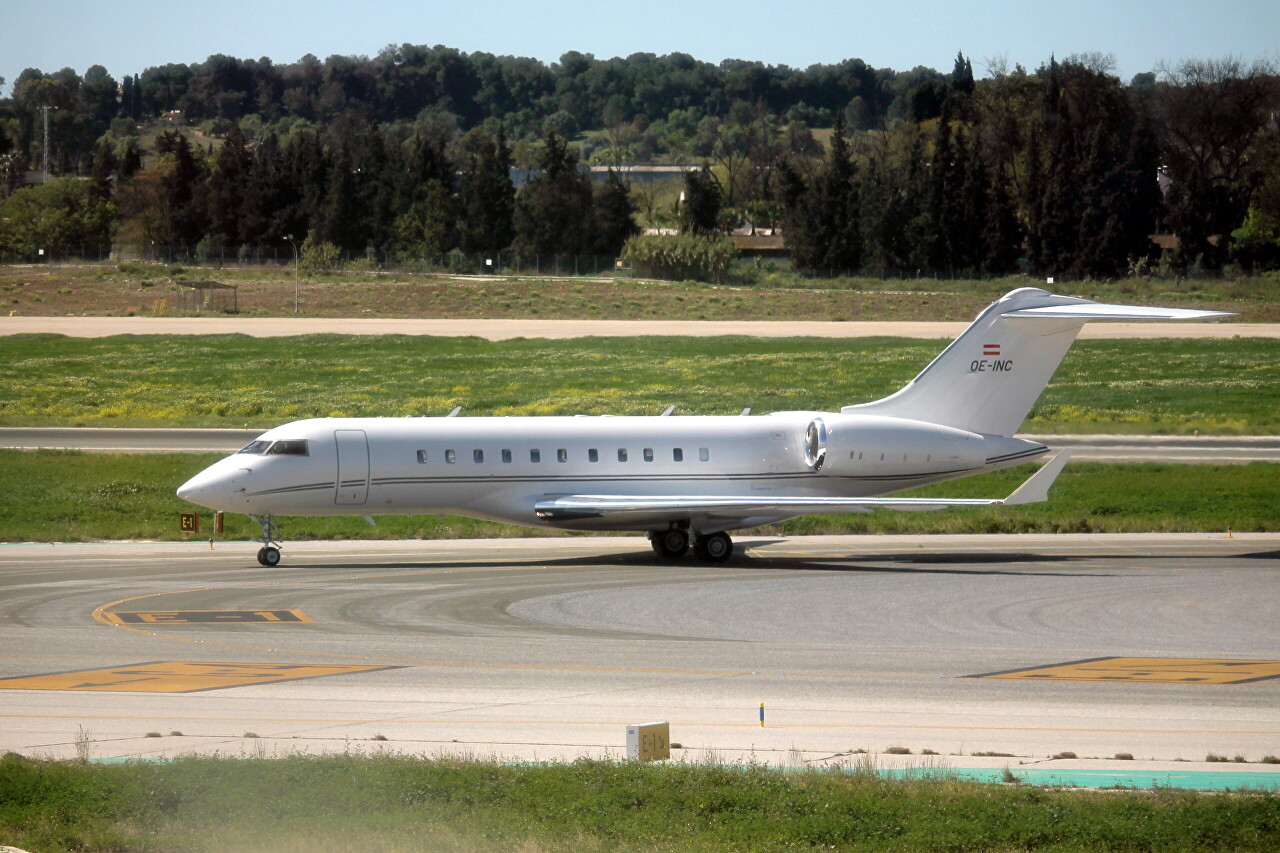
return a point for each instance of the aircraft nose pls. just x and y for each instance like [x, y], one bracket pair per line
[210, 488]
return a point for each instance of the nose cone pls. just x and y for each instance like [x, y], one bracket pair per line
[212, 487]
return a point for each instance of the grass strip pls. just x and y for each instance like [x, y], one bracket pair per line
[388, 803]
[69, 496]
[1128, 386]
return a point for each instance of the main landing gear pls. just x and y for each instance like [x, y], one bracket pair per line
[269, 553]
[674, 543]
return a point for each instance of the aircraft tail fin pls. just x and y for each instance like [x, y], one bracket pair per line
[988, 379]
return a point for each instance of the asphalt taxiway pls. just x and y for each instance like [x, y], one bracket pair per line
[1162, 647]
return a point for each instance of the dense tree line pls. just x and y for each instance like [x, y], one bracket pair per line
[1062, 170]
[371, 195]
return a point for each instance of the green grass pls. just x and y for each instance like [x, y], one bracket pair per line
[73, 496]
[351, 803]
[1134, 386]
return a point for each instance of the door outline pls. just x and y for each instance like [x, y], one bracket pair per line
[353, 467]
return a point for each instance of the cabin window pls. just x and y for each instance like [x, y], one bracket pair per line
[256, 448]
[562, 455]
[506, 455]
[450, 457]
[622, 454]
[648, 454]
[477, 456]
[422, 457]
[290, 447]
[678, 454]
[593, 455]
[703, 454]
[535, 455]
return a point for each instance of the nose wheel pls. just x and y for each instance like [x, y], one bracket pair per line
[269, 553]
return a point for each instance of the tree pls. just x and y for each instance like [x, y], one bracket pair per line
[822, 222]
[1209, 118]
[700, 208]
[231, 191]
[103, 173]
[62, 212]
[553, 212]
[339, 216]
[614, 216]
[182, 176]
[488, 197]
[428, 223]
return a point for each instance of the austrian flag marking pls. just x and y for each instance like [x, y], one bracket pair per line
[991, 349]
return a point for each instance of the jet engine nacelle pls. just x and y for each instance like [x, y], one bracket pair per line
[876, 446]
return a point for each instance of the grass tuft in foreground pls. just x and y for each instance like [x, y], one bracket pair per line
[391, 803]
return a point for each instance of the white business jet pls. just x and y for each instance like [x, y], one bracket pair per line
[682, 479]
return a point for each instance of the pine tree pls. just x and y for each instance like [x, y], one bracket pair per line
[230, 189]
[103, 172]
[427, 224]
[553, 210]
[183, 211]
[131, 162]
[488, 198]
[340, 217]
[614, 215]
[703, 199]
[378, 173]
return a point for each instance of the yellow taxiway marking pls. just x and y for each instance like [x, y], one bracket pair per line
[1158, 670]
[208, 617]
[105, 615]
[178, 676]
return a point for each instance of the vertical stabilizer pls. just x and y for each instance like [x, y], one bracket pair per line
[988, 379]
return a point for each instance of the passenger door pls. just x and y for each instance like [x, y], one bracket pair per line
[353, 467]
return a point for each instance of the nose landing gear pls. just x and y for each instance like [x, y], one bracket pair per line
[269, 553]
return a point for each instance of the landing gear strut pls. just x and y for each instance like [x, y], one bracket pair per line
[269, 553]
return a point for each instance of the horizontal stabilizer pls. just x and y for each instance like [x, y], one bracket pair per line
[1098, 311]
[665, 508]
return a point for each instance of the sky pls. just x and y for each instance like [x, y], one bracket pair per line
[129, 36]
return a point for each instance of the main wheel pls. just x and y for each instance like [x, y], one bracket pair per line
[715, 548]
[269, 556]
[670, 544]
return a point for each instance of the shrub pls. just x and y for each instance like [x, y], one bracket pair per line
[680, 257]
[319, 256]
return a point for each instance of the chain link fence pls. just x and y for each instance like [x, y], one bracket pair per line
[456, 262]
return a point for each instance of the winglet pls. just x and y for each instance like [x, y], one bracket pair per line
[1036, 488]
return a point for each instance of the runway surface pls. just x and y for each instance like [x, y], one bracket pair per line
[1216, 450]
[498, 330]
[548, 648]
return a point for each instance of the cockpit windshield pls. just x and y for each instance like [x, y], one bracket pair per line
[284, 447]
[289, 447]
